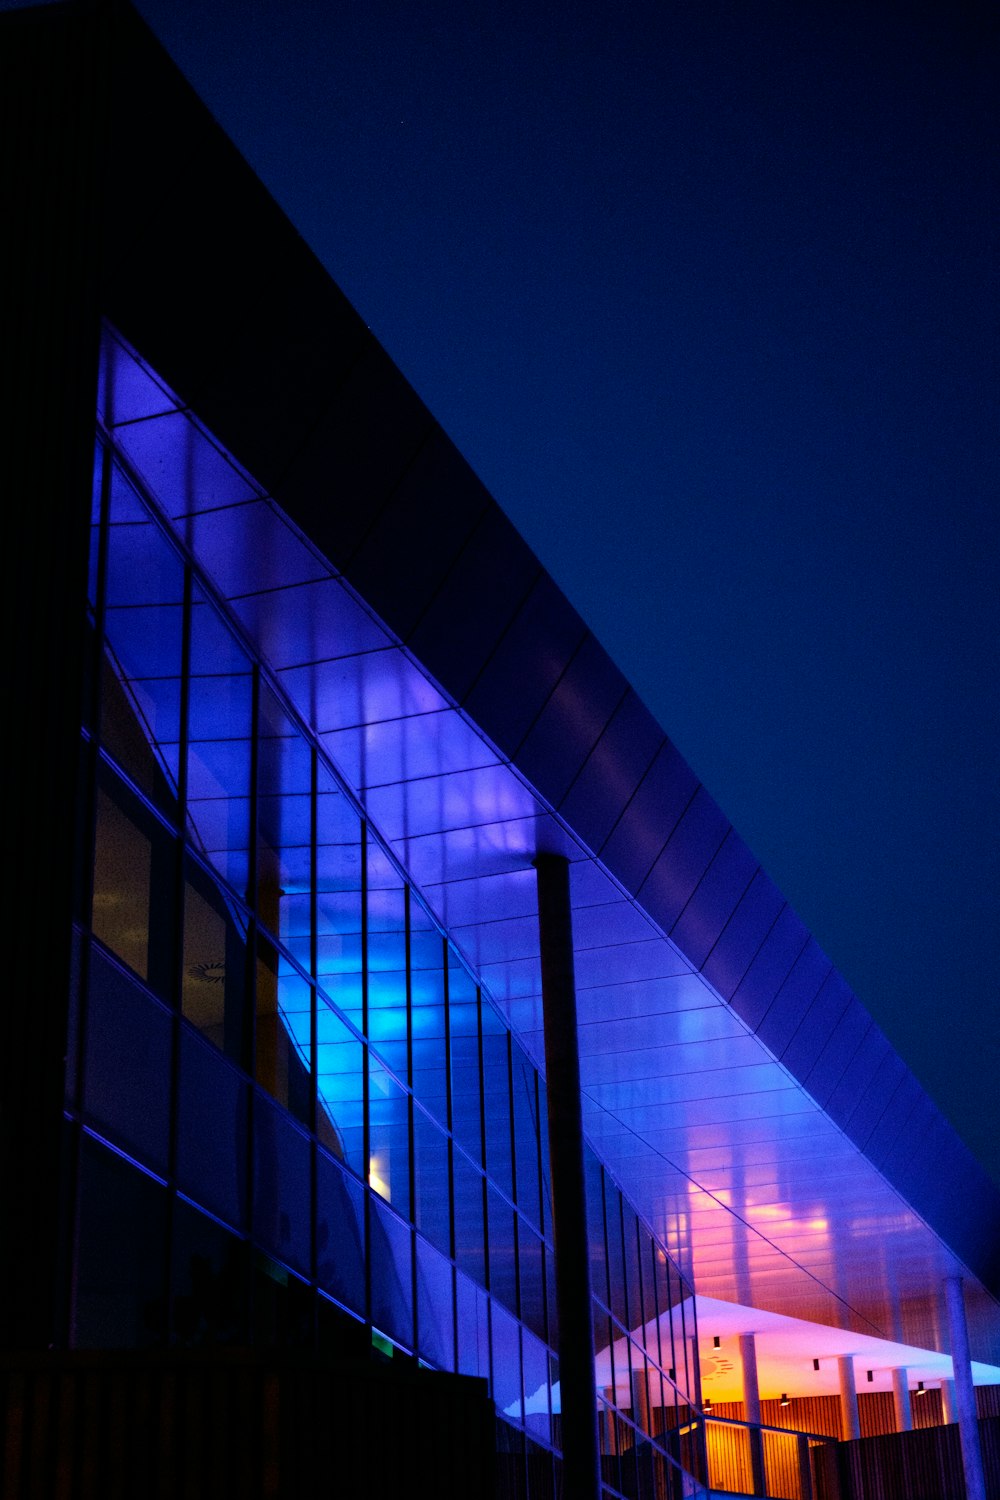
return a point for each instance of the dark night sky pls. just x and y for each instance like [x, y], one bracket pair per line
[705, 292]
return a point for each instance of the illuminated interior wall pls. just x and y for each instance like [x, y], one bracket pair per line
[299, 1118]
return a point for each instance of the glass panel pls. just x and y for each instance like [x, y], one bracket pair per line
[127, 1071]
[140, 714]
[208, 1282]
[536, 1386]
[430, 1079]
[340, 1085]
[338, 897]
[616, 1261]
[389, 1137]
[506, 1362]
[212, 1131]
[503, 1263]
[470, 1243]
[284, 829]
[531, 1270]
[387, 988]
[283, 1046]
[391, 1274]
[430, 1167]
[435, 1318]
[213, 993]
[496, 1087]
[219, 729]
[120, 1278]
[340, 1234]
[472, 1306]
[463, 1020]
[123, 860]
[526, 1135]
[595, 1225]
[282, 1196]
[630, 1231]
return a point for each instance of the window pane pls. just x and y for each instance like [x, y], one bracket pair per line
[503, 1267]
[463, 1014]
[387, 1002]
[435, 1321]
[283, 1050]
[473, 1328]
[212, 1129]
[338, 897]
[220, 716]
[340, 1087]
[391, 1274]
[213, 994]
[123, 859]
[525, 1135]
[430, 1081]
[496, 1087]
[282, 1197]
[284, 829]
[121, 1255]
[127, 1070]
[470, 1242]
[430, 1167]
[340, 1234]
[389, 1135]
[208, 1282]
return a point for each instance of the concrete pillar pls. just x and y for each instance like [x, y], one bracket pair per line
[640, 1401]
[581, 1451]
[965, 1394]
[850, 1424]
[751, 1410]
[949, 1406]
[901, 1400]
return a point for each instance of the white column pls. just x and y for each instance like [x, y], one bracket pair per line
[949, 1407]
[751, 1410]
[901, 1400]
[965, 1394]
[850, 1423]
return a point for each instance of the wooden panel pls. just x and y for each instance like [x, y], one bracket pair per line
[919, 1465]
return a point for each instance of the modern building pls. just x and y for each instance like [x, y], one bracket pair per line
[352, 883]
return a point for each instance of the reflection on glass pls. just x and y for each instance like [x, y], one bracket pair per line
[213, 989]
[389, 1138]
[283, 1043]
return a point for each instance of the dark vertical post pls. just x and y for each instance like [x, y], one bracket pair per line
[581, 1462]
[54, 84]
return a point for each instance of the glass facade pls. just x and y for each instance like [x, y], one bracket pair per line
[300, 1119]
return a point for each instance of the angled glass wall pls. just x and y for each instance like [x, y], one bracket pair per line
[300, 1118]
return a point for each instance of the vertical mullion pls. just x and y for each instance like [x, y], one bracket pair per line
[365, 1088]
[87, 874]
[314, 1105]
[178, 963]
[410, 1122]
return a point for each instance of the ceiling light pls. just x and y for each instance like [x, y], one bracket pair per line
[815, 1364]
[716, 1342]
[871, 1374]
[920, 1389]
[708, 1407]
[784, 1399]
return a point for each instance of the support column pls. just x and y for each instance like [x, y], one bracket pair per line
[901, 1400]
[581, 1454]
[949, 1405]
[640, 1401]
[850, 1423]
[965, 1393]
[751, 1410]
